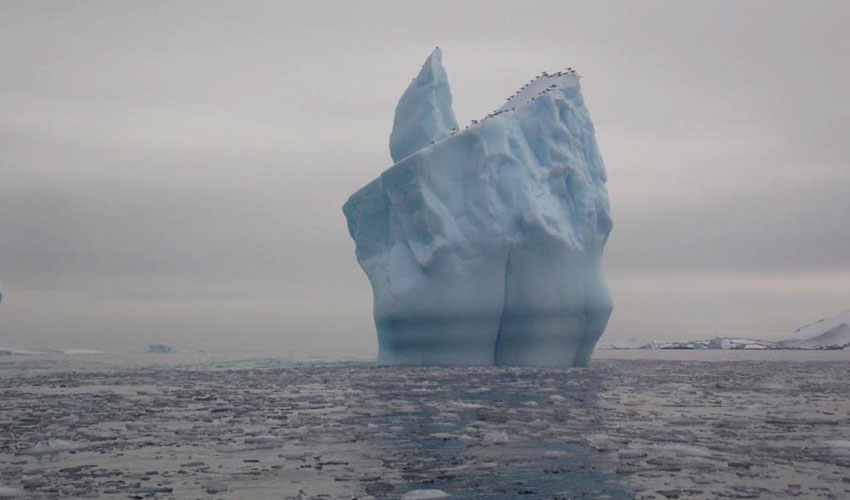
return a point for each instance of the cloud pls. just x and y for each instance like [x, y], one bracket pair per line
[178, 169]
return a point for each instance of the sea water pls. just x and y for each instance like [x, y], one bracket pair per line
[635, 424]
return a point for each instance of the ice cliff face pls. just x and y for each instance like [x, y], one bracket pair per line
[485, 247]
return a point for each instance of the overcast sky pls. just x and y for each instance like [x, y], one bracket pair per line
[174, 171]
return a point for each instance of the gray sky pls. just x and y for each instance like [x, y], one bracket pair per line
[174, 171]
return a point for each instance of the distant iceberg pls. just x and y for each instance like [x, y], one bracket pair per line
[22, 351]
[484, 245]
[160, 349]
[829, 333]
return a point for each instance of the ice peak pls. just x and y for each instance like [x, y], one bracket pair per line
[424, 113]
[433, 69]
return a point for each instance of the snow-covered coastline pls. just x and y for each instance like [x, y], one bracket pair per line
[832, 334]
[715, 343]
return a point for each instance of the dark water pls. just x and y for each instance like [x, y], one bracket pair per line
[657, 425]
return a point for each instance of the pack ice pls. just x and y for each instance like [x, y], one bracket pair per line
[483, 245]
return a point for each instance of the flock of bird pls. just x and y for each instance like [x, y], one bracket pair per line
[567, 72]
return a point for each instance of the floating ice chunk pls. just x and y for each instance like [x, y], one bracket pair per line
[701, 463]
[495, 437]
[735, 423]
[160, 349]
[239, 448]
[601, 442]
[264, 439]
[52, 447]
[443, 435]
[98, 434]
[215, 487]
[9, 492]
[684, 450]
[424, 494]
[839, 446]
[555, 454]
[630, 454]
[838, 443]
[466, 406]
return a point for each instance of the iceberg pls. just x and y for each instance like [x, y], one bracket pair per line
[160, 349]
[828, 333]
[484, 245]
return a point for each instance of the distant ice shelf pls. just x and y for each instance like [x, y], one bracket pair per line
[715, 343]
[483, 245]
[831, 333]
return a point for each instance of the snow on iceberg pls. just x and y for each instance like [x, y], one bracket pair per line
[486, 246]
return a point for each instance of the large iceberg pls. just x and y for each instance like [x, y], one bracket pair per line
[484, 245]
